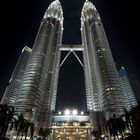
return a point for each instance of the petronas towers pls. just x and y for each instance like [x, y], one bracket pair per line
[32, 89]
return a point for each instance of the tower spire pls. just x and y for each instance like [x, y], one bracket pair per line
[54, 10]
[89, 11]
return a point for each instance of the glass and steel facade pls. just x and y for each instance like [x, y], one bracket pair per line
[104, 92]
[12, 89]
[127, 89]
[34, 99]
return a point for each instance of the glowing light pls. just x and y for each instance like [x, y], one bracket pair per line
[15, 137]
[122, 68]
[82, 112]
[74, 112]
[67, 112]
[59, 113]
[102, 136]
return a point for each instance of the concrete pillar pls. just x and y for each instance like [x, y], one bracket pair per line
[64, 133]
[76, 137]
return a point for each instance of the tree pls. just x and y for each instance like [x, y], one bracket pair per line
[20, 125]
[48, 132]
[31, 129]
[96, 134]
[3, 118]
[10, 114]
[135, 117]
[128, 122]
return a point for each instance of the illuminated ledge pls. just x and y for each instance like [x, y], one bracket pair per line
[68, 118]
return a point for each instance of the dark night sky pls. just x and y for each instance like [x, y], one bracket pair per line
[20, 21]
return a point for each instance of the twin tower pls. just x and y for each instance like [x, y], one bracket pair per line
[33, 86]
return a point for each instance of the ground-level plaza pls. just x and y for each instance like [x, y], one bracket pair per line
[71, 127]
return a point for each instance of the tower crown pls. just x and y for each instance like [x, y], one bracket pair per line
[89, 12]
[54, 10]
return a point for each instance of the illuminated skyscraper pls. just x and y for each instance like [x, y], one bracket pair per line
[37, 94]
[127, 89]
[38, 88]
[12, 89]
[104, 92]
